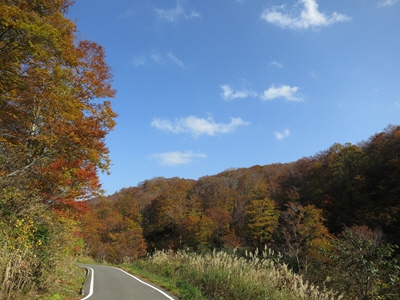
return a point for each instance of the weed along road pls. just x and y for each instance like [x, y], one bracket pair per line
[109, 283]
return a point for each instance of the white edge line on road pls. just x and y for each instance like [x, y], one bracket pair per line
[91, 283]
[141, 281]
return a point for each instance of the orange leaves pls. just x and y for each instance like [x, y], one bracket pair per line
[111, 233]
[69, 179]
[54, 116]
[51, 113]
[300, 231]
[92, 73]
[195, 230]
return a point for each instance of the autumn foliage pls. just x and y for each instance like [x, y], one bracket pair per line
[52, 126]
[321, 213]
[54, 116]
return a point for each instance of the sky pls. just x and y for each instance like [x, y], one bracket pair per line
[206, 86]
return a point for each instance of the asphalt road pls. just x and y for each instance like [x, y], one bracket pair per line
[109, 283]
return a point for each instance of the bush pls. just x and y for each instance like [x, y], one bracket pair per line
[364, 265]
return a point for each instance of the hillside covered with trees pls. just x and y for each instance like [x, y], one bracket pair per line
[334, 215]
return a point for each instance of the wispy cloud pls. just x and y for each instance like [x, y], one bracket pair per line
[176, 158]
[283, 91]
[158, 58]
[282, 135]
[314, 74]
[172, 58]
[139, 61]
[197, 126]
[128, 13]
[276, 64]
[387, 2]
[168, 58]
[174, 14]
[228, 93]
[308, 16]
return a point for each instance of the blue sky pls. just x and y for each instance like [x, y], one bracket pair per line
[205, 86]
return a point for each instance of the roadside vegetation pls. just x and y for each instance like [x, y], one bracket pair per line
[38, 258]
[54, 117]
[224, 276]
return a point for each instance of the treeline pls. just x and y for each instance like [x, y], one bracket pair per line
[53, 123]
[335, 214]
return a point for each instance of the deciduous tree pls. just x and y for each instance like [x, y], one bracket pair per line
[51, 115]
[301, 234]
[54, 116]
[262, 220]
[364, 266]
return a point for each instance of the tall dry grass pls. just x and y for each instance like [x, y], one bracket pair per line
[37, 258]
[219, 275]
[15, 271]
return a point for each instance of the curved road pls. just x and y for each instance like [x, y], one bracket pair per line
[109, 283]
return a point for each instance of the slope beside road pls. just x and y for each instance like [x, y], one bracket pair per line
[110, 283]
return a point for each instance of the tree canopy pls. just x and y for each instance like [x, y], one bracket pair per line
[55, 113]
[52, 119]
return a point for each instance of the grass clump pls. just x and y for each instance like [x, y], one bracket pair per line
[164, 278]
[219, 275]
[68, 284]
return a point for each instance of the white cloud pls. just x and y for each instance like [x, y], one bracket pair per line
[158, 58]
[283, 91]
[276, 64]
[172, 58]
[176, 158]
[229, 94]
[139, 61]
[387, 2]
[309, 16]
[172, 15]
[281, 135]
[197, 126]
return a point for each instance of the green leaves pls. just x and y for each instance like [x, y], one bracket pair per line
[262, 221]
[364, 260]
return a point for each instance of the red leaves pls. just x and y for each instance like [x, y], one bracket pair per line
[52, 118]
[92, 72]
[112, 233]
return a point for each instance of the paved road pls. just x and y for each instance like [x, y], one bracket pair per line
[109, 283]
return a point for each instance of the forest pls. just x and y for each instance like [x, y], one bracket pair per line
[334, 218]
[334, 215]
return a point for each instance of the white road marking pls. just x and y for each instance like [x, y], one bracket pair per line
[141, 281]
[91, 285]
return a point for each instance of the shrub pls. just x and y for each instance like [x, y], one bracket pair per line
[364, 265]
